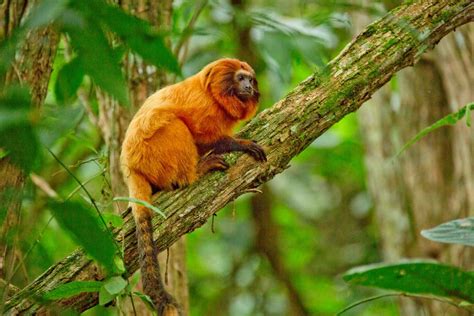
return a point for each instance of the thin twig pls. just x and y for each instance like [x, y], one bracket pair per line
[43, 185]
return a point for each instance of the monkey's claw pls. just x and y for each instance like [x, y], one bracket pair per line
[256, 151]
[212, 162]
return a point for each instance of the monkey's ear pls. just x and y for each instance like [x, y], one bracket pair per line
[207, 77]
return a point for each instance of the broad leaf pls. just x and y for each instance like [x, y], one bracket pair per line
[17, 136]
[69, 79]
[115, 284]
[71, 289]
[105, 297]
[113, 219]
[459, 231]
[416, 277]
[87, 230]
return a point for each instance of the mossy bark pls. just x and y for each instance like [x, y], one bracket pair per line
[284, 130]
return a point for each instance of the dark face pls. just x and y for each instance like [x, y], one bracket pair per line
[245, 85]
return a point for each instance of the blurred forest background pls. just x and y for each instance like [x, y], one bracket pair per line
[348, 200]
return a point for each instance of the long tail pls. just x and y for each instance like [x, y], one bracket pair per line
[153, 286]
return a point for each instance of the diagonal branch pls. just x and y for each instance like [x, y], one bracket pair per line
[367, 63]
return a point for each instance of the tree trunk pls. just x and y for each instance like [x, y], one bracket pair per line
[429, 183]
[284, 130]
[32, 67]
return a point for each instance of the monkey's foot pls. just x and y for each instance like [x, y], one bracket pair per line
[254, 150]
[211, 162]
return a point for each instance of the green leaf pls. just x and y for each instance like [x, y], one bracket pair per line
[135, 33]
[71, 289]
[120, 265]
[84, 226]
[147, 300]
[449, 119]
[96, 57]
[141, 202]
[105, 297]
[8, 48]
[45, 12]
[459, 231]
[417, 277]
[17, 135]
[115, 285]
[114, 219]
[68, 81]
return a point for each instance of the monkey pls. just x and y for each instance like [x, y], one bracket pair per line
[178, 135]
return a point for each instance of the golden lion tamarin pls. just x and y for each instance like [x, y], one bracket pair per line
[175, 137]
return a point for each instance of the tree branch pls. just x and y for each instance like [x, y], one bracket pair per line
[367, 63]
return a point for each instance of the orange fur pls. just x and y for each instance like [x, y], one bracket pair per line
[165, 139]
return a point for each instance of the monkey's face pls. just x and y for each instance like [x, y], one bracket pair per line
[245, 85]
[232, 84]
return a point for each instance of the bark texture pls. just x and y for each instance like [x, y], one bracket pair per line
[431, 182]
[284, 130]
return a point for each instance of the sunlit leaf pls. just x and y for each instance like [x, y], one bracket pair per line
[115, 284]
[459, 231]
[120, 265]
[105, 297]
[84, 226]
[416, 277]
[114, 219]
[72, 288]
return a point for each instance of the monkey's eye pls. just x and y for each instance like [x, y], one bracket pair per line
[240, 77]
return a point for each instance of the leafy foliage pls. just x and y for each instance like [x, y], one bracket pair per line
[87, 24]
